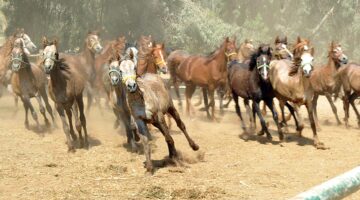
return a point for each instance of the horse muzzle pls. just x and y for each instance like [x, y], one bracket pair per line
[15, 67]
[114, 80]
[131, 86]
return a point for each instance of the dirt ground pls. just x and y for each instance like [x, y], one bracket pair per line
[36, 166]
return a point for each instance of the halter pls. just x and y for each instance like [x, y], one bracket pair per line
[114, 70]
[160, 62]
[263, 65]
[20, 60]
[230, 54]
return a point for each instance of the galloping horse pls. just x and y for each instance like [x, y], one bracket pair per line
[322, 79]
[66, 88]
[349, 75]
[118, 98]
[252, 83]
[208, 72]
[149, 101]
[29, 81]
[296, 88]
[85, 62]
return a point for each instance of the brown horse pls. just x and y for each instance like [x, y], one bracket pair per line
[349, 75]
[174, 59]
[85, 62]
[29, 81]
[66, 88]
[322, 79]
[245, 51]
[208, 72]
[296, 88]
[149, 101]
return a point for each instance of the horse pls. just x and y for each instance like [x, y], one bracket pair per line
[349, 75]
[322, 79]
[174, 59]
[85, 62]
[149, 101]
[296, 88]
[245, 51]
[66, 86]
[27, 81]
[208, 72]
[251, 82]
[118, 98]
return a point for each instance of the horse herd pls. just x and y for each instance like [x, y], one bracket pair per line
[127, 75]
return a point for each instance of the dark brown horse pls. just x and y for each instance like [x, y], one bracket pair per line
[85, 62]
[322, 79]
[208, 72]
[66, 88]
[29, 81]
[149, 101]
[252, 83]
[296, 88]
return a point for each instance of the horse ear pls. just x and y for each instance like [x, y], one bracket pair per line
[227, 39]
[285, 39]
[277, 39]
[55, 42]
[332, 45]
[153, 44]
[163, 45]
[131, 54]
[298, 39]
[44, 41]
[312, 51]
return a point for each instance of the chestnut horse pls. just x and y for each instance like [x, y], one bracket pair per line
[29, 81]
[252, 83]
[296, 88]
[149, 101]
[349, 75]
[85, 62]
[208, 72]
[66, 88]
[322, 79]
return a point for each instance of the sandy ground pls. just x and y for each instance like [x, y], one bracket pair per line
[33, 166]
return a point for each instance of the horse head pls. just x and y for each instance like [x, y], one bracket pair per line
[50, 54]
[230, 49]
[18, 55]
[303, 56]
[159, 56]
[281, 50]
[25, 39]
[336, 54]
[92, 42]
[261, 60]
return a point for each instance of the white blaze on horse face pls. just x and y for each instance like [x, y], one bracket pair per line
[307, 63]
[265, 69]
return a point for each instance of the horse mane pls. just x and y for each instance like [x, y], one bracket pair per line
[214, 53]
[8, 45]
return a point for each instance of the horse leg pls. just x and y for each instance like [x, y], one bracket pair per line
[144, 131]
[75, 109]
[249, 114]
[66, 129]
[271, 106]
[33, 112]
[69, 114]
[175, 115]
[212, 102]
[117, 120]
[298, 122]
[177, 92]
[317, 143]
[352, 98]
[42, 110]
[200, 99]
[190, 89]
[206, 102]
[333, 107]
[47, 105]
[314, 101]
[161, 125]
[264, 128]
[80, 104]
[26, 107]
[90, 95]
[263, 110]
[238, 111]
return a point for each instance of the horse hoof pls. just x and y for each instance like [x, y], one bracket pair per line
[194, 146]
[71, 149]
[269, 137]
[320, 145]
[202, 109]
[260, 133]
